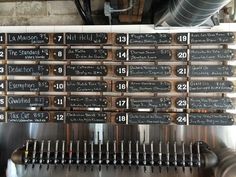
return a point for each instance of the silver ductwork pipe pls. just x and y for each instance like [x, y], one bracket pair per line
[191, 12]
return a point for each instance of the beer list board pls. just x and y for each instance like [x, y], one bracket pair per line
[117, 78]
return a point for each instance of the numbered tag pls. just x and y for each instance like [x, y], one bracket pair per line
[181, 103]
[181, 119]
[58, 86]
[182, 38]
[120, 86]
[121, 102]
[58, 38]
[121, 38]
[121, 118]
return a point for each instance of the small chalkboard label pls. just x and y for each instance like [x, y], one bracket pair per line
[149, 70]
[210, 70]
[26, 116]
[211, 103]
[27, 38]
[157, 102]
[27, 86]
[86, 101]
[211, 54]
[86, 38]
[211, 86]
[80, 54]
[150, 38]
[27, 101]
[86, 86]
[27, 54]
[211, 119]
[212, 37]
[86, 70]
[86, 117]
[149, 55]
[27, 70]
[149, 86]
[149, 118]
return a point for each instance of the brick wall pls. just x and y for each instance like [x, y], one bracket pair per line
[42, 12]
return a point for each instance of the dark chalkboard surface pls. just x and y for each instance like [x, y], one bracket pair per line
[86, 86]
[149, 118]
[149, 38]
[86, 38]
[211, 86]
[27, 70]
[26, 116]
[149, 54]
[27, 101]
[27, 54]
[27, 38]
[79, 54]
[211, 103]
[210, 70]
[210, 119]
[157, 102]
[86, 70]
[86, 117]
[86, 101]
[142, 70]
[149, 86]
[211, 54]
[27, 86]
[212, 37]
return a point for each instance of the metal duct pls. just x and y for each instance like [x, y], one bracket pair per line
[192, 12]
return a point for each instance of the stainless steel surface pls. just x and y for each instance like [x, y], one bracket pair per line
[192, 12]
[14, 135]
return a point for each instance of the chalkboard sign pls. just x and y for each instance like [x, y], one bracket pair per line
[210, 70]
[27, 70]
[27, 86]
[79, 54]
[149, 55]
[27, 101]
[2, 101]
[86, 38]
[149, 118]
[86, 101]
[26, 116]
[86, 117]
[211, 86]
[86, 86]
[211, 103]
[157, 102]
[212, 37]
[211, 54]
[27, 54]
[149, 70]
[149, 86]
[86, 70]
[27, 38]
[149, 38]
[211, 119]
